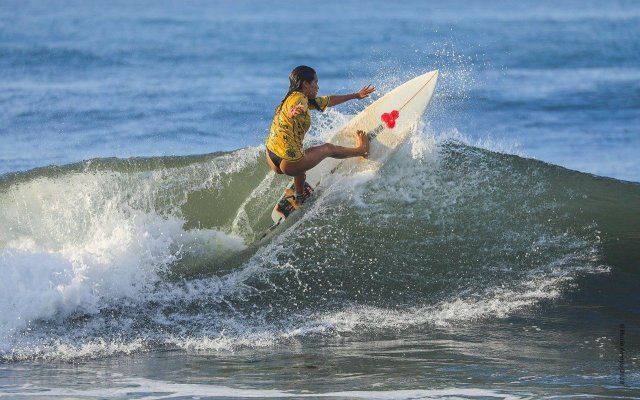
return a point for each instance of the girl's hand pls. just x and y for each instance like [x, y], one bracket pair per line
[365, 92]
[296, 110]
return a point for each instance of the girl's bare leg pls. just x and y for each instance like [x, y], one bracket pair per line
[298, 183]
[314, 155]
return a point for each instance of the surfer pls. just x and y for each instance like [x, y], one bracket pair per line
[285, 154]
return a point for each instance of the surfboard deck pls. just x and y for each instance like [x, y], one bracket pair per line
[388, 121]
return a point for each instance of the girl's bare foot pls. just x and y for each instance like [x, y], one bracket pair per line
[363, 143]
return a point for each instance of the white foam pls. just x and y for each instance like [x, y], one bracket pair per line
[154, 389]
[76, 242]
[223, 342]
[498, 304]
[92, 349]
[86, 276]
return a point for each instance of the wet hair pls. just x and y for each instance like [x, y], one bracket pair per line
[300, 74]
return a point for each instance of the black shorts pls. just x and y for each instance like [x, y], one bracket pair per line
[274, 158]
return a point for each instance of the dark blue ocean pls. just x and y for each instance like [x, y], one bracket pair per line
[496, 255]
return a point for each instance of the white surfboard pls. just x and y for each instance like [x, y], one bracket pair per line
[388, 121]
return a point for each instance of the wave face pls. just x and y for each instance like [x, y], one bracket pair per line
[115, 256]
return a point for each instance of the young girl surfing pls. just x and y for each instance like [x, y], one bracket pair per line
[285, 154]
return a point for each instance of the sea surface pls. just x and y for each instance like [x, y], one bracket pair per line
[495, 256]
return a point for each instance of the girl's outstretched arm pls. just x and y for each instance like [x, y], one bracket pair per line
[363, 93]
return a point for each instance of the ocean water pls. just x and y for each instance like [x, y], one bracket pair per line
[495, 255]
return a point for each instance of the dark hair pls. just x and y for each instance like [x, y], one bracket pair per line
[300, 74]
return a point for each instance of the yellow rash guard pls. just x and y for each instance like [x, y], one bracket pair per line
[285, 138]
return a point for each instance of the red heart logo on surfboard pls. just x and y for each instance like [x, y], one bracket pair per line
[390, 118]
